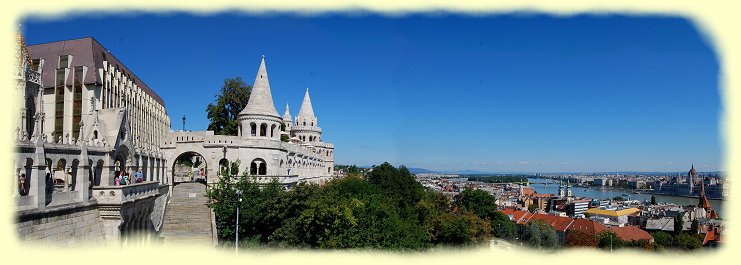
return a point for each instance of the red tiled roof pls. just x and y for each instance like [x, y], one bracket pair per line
[586, 225]
[631, 233]
[558, 222]
[517, 216]
[528, 191]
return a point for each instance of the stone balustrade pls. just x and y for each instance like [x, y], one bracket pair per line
[117, 195]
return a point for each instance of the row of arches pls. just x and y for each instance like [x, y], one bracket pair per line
[261, 130]
[66, 174]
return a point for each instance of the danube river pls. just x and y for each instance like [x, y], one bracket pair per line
[593, 193]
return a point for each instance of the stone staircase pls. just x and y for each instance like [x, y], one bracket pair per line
[188, 218]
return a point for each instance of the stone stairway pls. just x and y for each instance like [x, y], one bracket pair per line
[188, 218]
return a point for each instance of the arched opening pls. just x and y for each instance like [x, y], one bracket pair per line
[272, 130]
[263, 129]
[95, 135]
[72, 181]
[60, 177]
[97, 172]
[224, 167]
[190, 167]
[253, 129]
[24, 180]
[258, 167]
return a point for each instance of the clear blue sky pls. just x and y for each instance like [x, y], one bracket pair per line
[526, 93]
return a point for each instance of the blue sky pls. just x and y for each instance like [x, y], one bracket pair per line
[521, 92]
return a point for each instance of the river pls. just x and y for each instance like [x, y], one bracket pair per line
[593, 193]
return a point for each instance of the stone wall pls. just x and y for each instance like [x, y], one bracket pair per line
[158, 212]
[66, 226]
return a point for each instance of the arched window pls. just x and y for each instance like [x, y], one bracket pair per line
[95, 135]
[253, 128]
[272, 130]
[263, 129]
[258, 167]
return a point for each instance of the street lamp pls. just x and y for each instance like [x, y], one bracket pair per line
[183, 122]
[236, 237]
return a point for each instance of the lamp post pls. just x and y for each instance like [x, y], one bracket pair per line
[183, 122]
[236, 237]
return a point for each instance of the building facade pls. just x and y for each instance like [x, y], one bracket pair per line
[268, 146]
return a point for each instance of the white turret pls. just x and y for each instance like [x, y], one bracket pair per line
[306, 127]
[287, 122]
[259, 118]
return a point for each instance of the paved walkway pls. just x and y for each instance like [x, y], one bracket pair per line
[188, 218]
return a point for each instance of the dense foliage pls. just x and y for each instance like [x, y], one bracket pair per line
[541, 235]
[386, 210]
[232, 98]
[680, 240]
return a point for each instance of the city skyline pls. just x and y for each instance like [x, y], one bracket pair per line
[492, 93]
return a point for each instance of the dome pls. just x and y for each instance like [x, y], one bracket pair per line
[692, 172]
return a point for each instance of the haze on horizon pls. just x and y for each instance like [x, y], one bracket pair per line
[505, 93]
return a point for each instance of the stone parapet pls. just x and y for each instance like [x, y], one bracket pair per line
[117, 195]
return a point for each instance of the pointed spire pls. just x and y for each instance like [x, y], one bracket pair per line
[287, 114]
[261, 99]
[306, 110]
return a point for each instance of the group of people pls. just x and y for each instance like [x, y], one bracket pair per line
[124, 178]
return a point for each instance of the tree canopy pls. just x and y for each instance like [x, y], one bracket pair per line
[386, 210]
[232, 98]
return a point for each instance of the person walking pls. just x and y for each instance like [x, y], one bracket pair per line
[22, 183]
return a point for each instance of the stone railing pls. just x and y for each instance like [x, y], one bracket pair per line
[117, 195]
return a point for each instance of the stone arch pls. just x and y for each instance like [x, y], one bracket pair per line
[26, 173]
[263, 129]
[60, 178]
[253, 129]
[98, 172]
[197, 160]
[258, 166]
[272, 130]
[73, 174]
[224, 167]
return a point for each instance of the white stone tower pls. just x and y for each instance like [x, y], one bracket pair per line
[306, 127]
[259, 119]
[287, 122]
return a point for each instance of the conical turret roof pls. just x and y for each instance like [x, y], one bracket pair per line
[261, 100]
[306, 109]
[287, 114]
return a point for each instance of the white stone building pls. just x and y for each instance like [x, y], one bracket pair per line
[300, 156]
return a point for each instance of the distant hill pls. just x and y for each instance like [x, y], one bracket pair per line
[415, 170]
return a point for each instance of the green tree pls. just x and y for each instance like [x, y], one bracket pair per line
[686, 242]
[653, 200]
[609, 240]
[479, 202]
[541, 235]
[231, 100]
[502, 226]
[679, 223]
[532, 208]
[695, 227]
[663, 240]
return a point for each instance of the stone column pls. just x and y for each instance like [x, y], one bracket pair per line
[38, 184]
[107, 175]
[81, 181]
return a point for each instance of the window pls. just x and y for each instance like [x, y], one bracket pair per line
[64, 61]
[77, 103]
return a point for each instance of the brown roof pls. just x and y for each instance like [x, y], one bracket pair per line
[517, 216]
[586, 225]
[558, 222]
[85, 51]
[631, 233]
